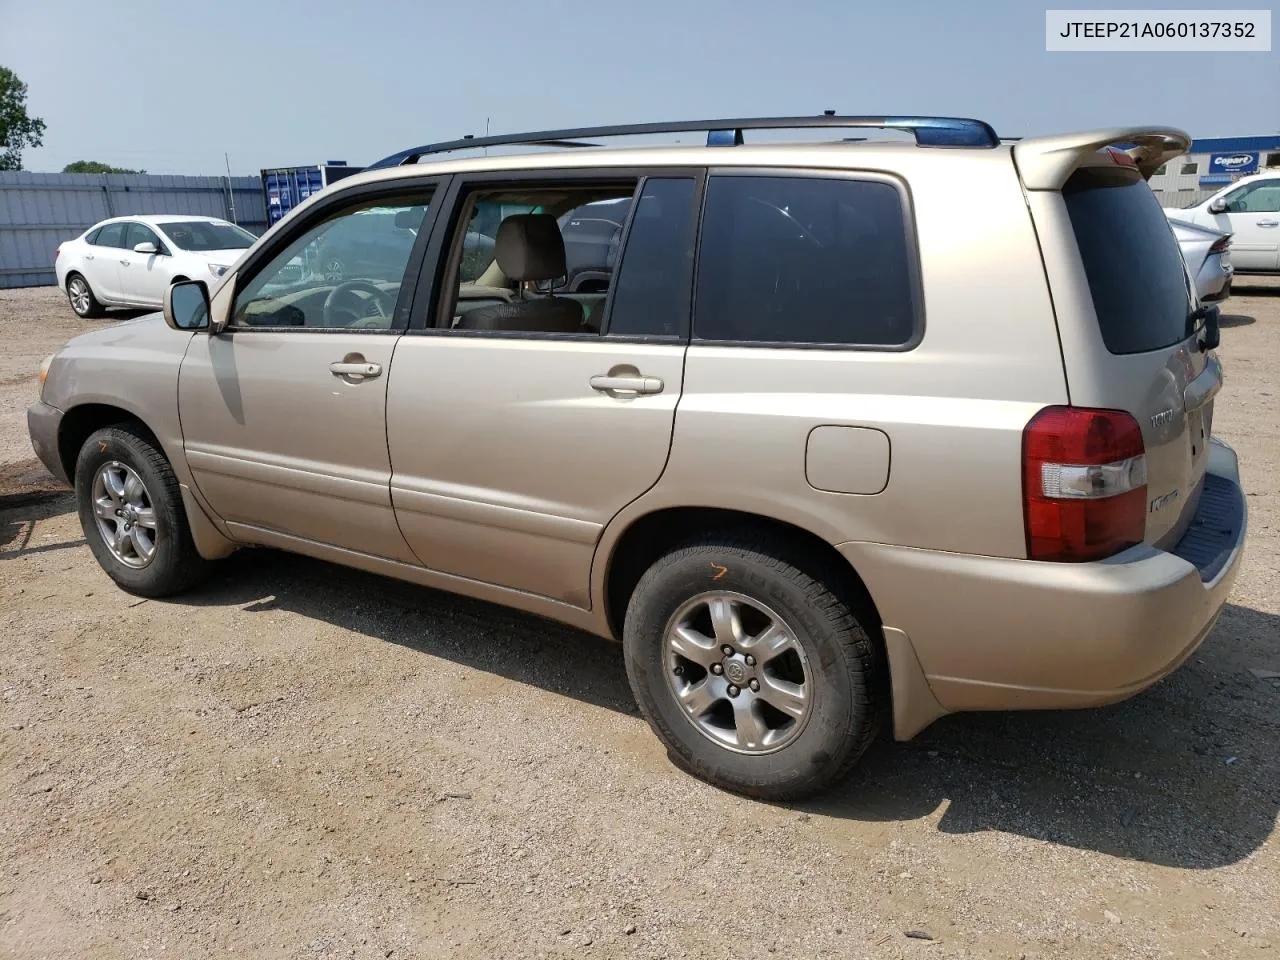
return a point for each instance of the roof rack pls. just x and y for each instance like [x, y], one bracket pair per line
[929, 132]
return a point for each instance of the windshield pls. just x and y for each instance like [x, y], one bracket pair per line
[204, 235]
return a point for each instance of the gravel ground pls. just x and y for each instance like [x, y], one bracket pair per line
[300, 760]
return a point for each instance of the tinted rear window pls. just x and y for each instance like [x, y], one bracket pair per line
[1136, 275]
[804, 260]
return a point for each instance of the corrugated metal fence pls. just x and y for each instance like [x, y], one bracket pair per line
[40, 210]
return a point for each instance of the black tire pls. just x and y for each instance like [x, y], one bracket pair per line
[93, 309]
[845, 663]
[176, 564]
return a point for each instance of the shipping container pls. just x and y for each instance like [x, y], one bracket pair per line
[283, 188]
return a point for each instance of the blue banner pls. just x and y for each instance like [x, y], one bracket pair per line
[1238, 163]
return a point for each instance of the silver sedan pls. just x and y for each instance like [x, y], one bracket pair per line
[1208, 257]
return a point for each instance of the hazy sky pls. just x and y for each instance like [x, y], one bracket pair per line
[170, 86]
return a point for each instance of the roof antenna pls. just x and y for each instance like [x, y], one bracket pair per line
[828, 113]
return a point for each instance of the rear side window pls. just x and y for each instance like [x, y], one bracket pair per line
[1139, 284]
[652, 291]
[92, 235]
[805, 260]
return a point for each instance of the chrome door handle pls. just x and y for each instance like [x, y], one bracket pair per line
[88, 256]
[124, 262]
[1269, 223]
[635, 385]
[358, 371]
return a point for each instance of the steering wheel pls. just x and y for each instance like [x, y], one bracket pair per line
[340, 302]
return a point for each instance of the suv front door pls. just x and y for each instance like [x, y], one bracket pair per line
[512, 448]
[284, 412]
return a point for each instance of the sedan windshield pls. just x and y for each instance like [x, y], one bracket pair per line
[203, 235]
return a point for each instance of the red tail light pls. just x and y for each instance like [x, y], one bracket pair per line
[58, 252]
[1221, 245]
[1084, 483]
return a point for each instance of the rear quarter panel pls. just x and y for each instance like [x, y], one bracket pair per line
[953, 407]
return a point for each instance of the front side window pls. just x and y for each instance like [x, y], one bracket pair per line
[342, 273]
[112, 235]
[137, 233]
[203, 235]
[1262, 197]
[804, 260]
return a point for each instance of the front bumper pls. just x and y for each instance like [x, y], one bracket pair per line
[997, 634]
[42, 424]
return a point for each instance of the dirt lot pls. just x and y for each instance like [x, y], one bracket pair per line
[299, 760]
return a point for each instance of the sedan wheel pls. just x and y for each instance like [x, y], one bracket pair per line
[80, 297]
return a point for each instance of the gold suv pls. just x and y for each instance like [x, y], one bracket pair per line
[839, 432]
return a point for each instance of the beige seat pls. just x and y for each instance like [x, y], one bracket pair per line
[529, 248]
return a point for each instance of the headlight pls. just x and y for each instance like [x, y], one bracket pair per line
[44, 371]
[217, 269]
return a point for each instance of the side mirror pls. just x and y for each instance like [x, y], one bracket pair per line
[1218, 206]
[145, 247]
[186, 305]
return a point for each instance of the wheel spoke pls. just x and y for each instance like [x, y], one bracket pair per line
[770, 642]
[113, 482]
[146, 517]
[784, 695]
[699, 697]
[693, 646]
[749, 723]
[133, 489]
[121, 538]
[142, 543]
[103, 507]
[725, 620]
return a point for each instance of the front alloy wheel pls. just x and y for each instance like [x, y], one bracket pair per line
[125, 515]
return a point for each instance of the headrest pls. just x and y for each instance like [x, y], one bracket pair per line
[529, 247]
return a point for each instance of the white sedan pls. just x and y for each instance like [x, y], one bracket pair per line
[131, 261]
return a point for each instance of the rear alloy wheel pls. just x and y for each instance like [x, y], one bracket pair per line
[81, 297]
[753, 664]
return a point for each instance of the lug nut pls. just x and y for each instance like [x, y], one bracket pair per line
[679, 670]
[755, 685]
[751, 661]
[733, 691]
[717, 669]
[727, 650]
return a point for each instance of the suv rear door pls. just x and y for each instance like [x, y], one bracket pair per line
[1130, 335]
[511, 445]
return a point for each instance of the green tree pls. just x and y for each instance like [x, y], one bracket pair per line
[94, 166]
[17, 129]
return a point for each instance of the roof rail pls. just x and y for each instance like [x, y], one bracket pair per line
[929, 132]
[1045, 163]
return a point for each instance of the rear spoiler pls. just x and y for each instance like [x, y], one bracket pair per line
[1045, 163]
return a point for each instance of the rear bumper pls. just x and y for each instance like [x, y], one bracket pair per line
[999, 634]
[42, 425]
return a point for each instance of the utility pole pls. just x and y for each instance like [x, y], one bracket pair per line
[486, 133]
[231, 190]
